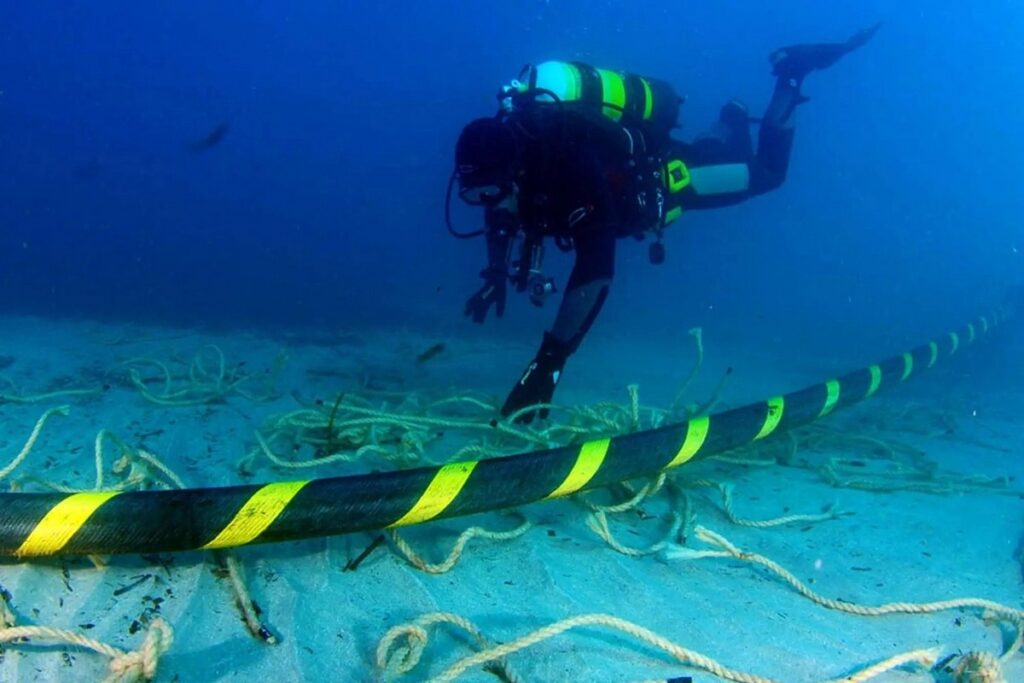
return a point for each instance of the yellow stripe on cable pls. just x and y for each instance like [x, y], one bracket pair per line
[62, 522]
[954, 342]
[588, 461]
[970, 333]
[696, 432]
[876, 380]
[776, 406]
[908, 366]
[832, 390]
[258, 513]
[933, 348]
[440, 493]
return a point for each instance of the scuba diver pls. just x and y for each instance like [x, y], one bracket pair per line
[584, 156]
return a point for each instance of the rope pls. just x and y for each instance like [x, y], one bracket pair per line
[978, 667]
[141, 665]
[730, 550]
[316, 462]
[649, 489]
[698, 340]
[1018, 638]
[245, 603]
[395, 658]
[726, 491]
[39, 398]
[634, 406]
[32, 438]
[925, 658]
[416, 560]
[747, 462]
[125, 667]
[203, 385]
[472, 400]
[598, 523]
[155, 462]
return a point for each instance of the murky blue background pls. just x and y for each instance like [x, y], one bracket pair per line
[323, 204]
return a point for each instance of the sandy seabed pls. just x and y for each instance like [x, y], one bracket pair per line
[959, 540]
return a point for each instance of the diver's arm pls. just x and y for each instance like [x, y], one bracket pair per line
[499, 229]
[501, 225]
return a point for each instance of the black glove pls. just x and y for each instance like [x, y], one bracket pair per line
[492, 293]
[537, 385]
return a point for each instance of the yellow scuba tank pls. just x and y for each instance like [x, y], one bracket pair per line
[622, 97]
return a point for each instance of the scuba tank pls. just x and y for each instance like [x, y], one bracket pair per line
[622, 97]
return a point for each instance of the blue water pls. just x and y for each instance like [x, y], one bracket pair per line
[323, 203]
[320, 210]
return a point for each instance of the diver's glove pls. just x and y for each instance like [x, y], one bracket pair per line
[796, 61]
[538, 382]
[493, 293]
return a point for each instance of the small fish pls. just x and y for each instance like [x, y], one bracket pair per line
[212, 139]
[430, 353]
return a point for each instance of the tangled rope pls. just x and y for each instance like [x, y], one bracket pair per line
[125, 667]
[401, 649]
[971, 664]
[395, 658]
[416, 560]
[201, 385]
[32, 438]
[727, 505]
[15, 395]
[730, 550]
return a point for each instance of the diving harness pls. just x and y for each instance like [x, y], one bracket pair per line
[635, 106]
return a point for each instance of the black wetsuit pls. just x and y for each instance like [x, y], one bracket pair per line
[586, 181]
[574, 185]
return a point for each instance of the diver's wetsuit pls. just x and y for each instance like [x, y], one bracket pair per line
[572, 187]
[575, 182]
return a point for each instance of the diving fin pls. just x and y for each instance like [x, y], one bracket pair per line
[796, 61]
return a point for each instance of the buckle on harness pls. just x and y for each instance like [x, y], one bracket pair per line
[677, 176]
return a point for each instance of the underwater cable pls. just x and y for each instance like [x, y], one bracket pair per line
[110, 522]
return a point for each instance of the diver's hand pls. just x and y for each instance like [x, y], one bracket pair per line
[538, 382]
[492, 293]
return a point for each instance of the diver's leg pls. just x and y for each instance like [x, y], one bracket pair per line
[791, 65]
[727, 141]
[796, 61]
[775, 140]
[586, 290]
[585, 294]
